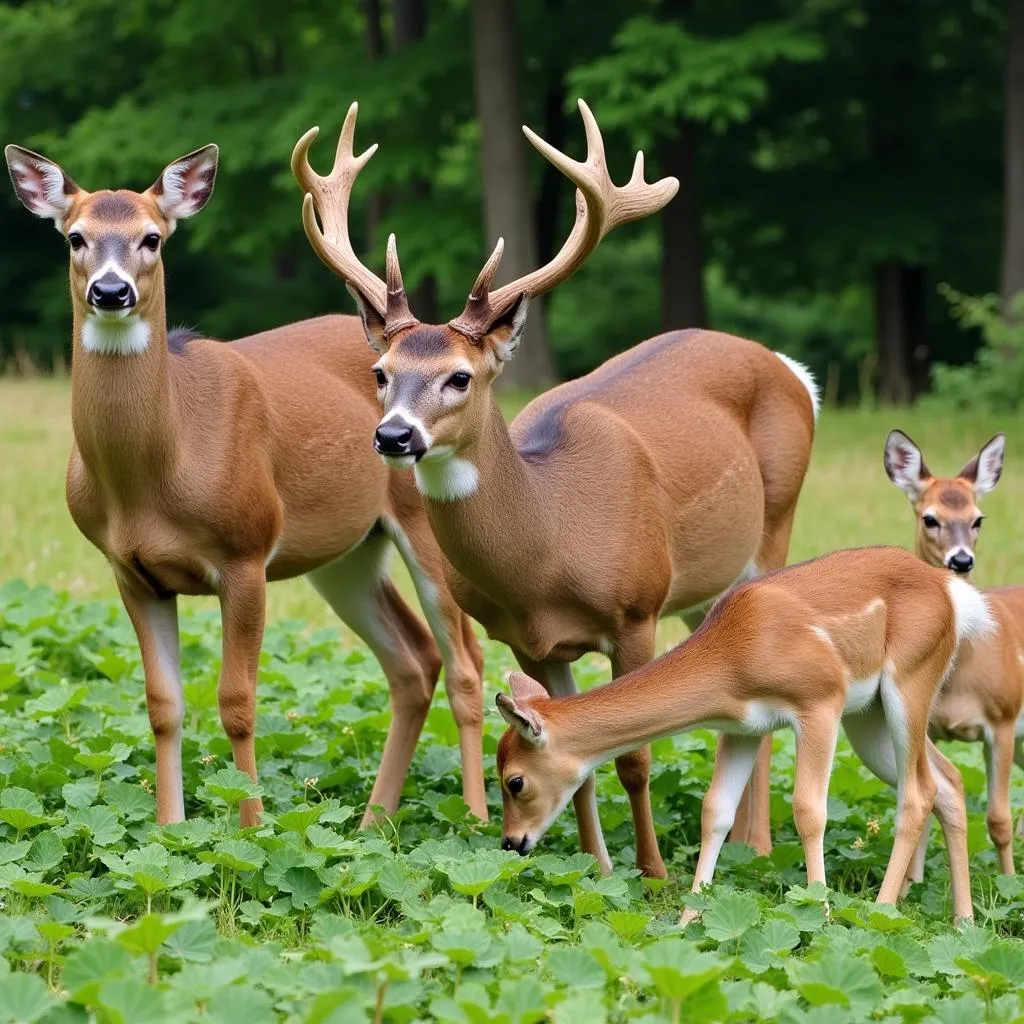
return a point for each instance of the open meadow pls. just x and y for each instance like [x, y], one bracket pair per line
[105, 917]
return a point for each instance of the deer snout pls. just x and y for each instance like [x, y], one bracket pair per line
[521, 846]
[961, 562]
[111, 292]
[396, 437]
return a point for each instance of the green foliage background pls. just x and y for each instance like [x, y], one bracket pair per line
[797, 202]
[108, 918]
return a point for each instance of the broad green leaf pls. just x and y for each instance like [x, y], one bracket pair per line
[23, 998]
[236, 854]
[241, 1004]
[576, 968]
[21, 809]
[730, 915]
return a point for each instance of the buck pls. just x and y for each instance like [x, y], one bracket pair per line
[984, 695]
[861, 637]
[201, 467]
[643, 489]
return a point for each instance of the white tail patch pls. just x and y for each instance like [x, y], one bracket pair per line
[806, 378]
[971, 612]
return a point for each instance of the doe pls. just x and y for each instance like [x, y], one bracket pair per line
[984, 695]
[861, 637]
[201, 467]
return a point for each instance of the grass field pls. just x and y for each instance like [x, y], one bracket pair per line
[106, 918]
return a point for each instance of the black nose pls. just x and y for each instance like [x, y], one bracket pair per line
[110, 292]
[393, 438]
[961, 563]
[508, 843]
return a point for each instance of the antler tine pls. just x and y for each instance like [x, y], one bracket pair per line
[327, 197]
[600, 206]
[398, 316]
[478, 316]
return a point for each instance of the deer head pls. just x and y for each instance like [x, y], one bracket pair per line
[114, 239]
[948, 517]
[538, 777]
[434, 382]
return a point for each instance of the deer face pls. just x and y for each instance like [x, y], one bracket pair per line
[114, 239]
[537, 778]
[948, 517]
[434, 385]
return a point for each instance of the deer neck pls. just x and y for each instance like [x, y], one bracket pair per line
[122, 399]
[490, 513]
[688, 688]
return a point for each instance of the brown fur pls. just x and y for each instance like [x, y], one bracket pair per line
[649, 487]
[789, 645]
[222, 466]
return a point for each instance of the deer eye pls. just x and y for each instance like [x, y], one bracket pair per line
[976, 525]
[76, 240]
[151, 242]
[382, 381]
[459, 381]
[930, 522]
[515, 785]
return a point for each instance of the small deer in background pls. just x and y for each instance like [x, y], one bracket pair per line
[201, 467]
[863, 638]
[983, 698]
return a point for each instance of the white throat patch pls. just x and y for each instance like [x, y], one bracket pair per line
[446, 477]
[125, 336]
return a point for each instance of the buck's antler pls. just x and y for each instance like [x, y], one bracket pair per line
[600, 207]
[327, 198]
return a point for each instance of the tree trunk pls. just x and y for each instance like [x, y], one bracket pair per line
[898, 287]
[682, 260]
[507, 206]
[899, 316]
[374, 52]
[410, 27]
[1013, 159]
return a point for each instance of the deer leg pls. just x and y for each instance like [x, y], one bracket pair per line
[734, 761]
[1018, 760]
[369, 604]
[951, 810]
[634, 768]
[243, 592]
[907, 726]
[999, 747]
[915, 873]
[556, 678]
[156, 626]
[460, 653]
[815, 748]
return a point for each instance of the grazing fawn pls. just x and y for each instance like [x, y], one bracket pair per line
[861, 637]
[207, 468]
[984, 695]
[646, 488]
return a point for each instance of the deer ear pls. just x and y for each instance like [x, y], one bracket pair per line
[905, 465]
[524, 719]
[185, 186]
[373, 322]
[504, 335]
[525, 688]
[984, 470]
[41, 185]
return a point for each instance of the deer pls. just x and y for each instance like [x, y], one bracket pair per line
[207, 467]
[646, 488]
[984, 696]
[862, 638]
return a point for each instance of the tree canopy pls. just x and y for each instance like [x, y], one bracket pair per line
[839, 160]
